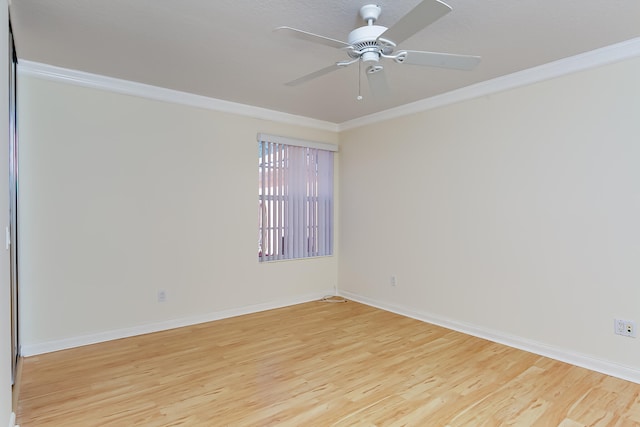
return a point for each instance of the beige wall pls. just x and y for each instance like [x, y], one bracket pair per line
[122, 196]
[517, 213]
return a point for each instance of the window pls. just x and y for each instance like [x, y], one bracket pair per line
[295, 198]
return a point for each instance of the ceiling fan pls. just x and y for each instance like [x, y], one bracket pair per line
[371, 43]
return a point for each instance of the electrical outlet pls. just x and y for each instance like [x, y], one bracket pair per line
[393, 280]
[162, 296]
[625, 328]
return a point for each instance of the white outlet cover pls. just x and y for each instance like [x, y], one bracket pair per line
[625, 328]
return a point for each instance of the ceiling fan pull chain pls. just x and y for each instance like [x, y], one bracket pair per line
[359, 97]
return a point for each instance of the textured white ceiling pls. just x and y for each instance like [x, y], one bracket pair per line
[226, 49]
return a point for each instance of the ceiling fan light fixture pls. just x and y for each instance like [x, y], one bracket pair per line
[372, 56]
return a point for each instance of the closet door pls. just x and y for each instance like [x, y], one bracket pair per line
[12, 229]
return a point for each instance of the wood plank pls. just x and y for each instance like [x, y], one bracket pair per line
[316, 364]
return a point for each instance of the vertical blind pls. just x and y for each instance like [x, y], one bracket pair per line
[295, 201]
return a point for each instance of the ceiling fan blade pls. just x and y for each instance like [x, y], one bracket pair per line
[442, 60]
[378, 83]
[418, 18]
[315, 38]
[315, 74]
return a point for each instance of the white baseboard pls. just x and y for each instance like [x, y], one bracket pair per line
[63, 344]
[602, 366]
[563, 355]
[12, 420]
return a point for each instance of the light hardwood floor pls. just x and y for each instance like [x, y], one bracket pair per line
[316, 364]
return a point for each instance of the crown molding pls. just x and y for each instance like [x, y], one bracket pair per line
[584, 61]
[95, 81]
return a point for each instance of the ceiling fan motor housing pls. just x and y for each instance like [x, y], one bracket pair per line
[365, 44]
